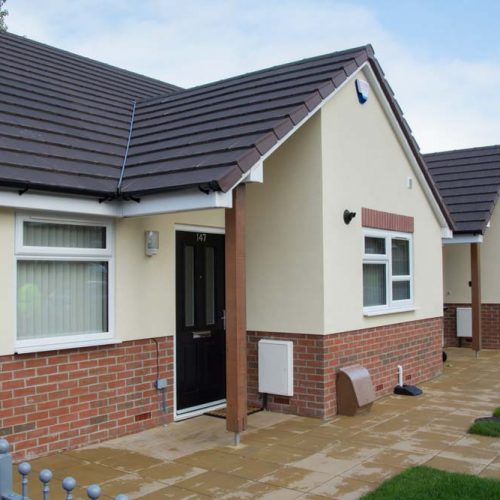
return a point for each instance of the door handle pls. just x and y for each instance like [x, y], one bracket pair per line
[202, 334]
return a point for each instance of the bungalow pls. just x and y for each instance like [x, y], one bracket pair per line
[469, 182]
[152, 236]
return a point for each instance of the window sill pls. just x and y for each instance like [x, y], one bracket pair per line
[26, 348]
[382, 312]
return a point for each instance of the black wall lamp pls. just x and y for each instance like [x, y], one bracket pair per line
[348, 216]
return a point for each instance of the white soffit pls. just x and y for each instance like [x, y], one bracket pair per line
[181, 201]
[463, 238]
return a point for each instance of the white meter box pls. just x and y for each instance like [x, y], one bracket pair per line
[276, 367]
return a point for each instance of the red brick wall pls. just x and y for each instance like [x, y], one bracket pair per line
[59, 400]
[490, 323]
[416, 345]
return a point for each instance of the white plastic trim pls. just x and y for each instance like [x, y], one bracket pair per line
[182, 201]
[26, 346]
[383, 312]
[461, 239]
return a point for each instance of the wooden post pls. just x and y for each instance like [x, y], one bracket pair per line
[475, 265]
[236, 327]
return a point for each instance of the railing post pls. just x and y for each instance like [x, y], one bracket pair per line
[5, 469]
[45, 478]
[24, 469]
[93, 492]
[69, 484]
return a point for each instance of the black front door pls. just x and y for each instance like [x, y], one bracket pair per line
[200, 338]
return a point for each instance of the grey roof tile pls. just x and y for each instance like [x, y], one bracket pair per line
[469, 182]
[65, 121]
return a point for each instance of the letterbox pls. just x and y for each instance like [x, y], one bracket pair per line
[355, 391]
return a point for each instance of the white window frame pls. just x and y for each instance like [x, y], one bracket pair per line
[391, 305]
[26, 253]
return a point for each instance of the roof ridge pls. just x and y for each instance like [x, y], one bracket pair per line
[73, 55]
[362, 48]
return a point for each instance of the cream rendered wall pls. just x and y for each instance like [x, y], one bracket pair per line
[284, 238]
[145, 286]
[457, 267]
[365, 166]
[7, 282]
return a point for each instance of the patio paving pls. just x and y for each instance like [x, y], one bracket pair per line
[288, 457]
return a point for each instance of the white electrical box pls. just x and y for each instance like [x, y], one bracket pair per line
[464, 322]
[276, 367]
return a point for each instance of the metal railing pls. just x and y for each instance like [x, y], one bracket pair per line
[45, 476]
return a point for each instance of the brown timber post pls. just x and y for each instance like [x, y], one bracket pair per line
[475, 264]
[236, 327]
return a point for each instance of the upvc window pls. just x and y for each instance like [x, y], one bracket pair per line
[64, 282]
[387, 271]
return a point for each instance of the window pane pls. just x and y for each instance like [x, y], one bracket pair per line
[189, 285]
[374, 285]
[44, 234]
[56, 298]
[400, 290]
[374, 245]
[400, 257]
[209, 285]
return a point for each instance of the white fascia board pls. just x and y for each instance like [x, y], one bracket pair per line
[259, 164]
[367, 70]
[463, 239]
[256, 173]
[181, 201]
[59, 203]
[446, 232]
[375, 85]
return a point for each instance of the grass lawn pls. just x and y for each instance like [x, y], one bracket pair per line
[485, 428]
[419, 483]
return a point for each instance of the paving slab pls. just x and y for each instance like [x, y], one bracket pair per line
[282, 456]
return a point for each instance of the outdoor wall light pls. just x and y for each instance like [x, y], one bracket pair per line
[152, 242]
[348, 216]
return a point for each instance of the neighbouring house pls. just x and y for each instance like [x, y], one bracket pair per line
[469, 182]
[152, 235]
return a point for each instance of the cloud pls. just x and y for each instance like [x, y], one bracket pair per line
[449, 103]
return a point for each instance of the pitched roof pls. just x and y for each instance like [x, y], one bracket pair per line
[469, 182]
[65, 121]
[214, 133]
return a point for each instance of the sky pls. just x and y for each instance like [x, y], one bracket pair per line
[441, 57]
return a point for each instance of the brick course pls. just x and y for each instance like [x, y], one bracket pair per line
[490, 324]
[54, 401]
[416, 345]
[386, 220]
